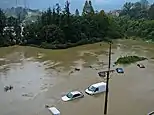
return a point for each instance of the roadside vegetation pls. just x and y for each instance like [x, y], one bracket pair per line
[129, 59]
[57, 28]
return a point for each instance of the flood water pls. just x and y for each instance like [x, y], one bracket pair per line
[41, 76]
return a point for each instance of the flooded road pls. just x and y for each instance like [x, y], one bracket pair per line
[41, 77]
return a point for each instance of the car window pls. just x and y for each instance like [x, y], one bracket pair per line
[76, 95]
[96, 89]
[91, 88]
[69, 95]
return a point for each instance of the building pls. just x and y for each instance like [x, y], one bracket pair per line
[115, 12]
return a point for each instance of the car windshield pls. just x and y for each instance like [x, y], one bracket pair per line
[69, 95]
[91, 88]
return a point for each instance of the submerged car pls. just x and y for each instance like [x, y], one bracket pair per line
[72, 95]
[151, 113]
[96, 88]
[120, 70]
[140, 65]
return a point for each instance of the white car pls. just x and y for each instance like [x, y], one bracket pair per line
[72, 95]
[96, 88]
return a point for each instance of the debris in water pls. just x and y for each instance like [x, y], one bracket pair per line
[77, 69]
[23, 86]
[27, 95]
[7, 88]
[47, 106]
[71, 72]
[90, 66]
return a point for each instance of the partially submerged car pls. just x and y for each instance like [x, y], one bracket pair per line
[72, 95]
[140, 65]
[120, 70]
[151, 113]
[96, 88]
[54, 111]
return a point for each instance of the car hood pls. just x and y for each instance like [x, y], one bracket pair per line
[89, 92]
[65, 98]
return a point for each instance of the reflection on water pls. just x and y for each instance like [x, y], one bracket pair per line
[42, 76]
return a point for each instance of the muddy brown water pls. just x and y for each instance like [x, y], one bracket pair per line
[40, 77]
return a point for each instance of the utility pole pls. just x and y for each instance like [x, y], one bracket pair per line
[107, 82]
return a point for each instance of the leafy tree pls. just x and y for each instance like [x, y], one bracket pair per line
[52, 34]
[88, 8]
[77, 12]
[91, 7]
[58, 28]
[85, 8]
[127, 8]
[151, 12]
[2, 21]
[144, 4]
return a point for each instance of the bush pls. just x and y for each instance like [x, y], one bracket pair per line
[129, 59]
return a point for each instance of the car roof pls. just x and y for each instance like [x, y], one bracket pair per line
[99, 84]
[119, 68]
[75, 92]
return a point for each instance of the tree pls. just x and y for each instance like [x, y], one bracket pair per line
[85, 8]
[88, 8]
[91, 7]
[52, 34]
[151, 12]
[127, 8]
[138, 10]
[49, 18]
[58, 8]
[2, 21]
[67, 9]
[77, 12]
[11, 21]
[58, 28]
[144, 4]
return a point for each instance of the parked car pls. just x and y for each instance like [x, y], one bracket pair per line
[140, 65]
[72, 95]
[120, 70]
[96, 88]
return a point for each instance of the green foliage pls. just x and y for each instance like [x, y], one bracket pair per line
[151, 12]
[52, 34]
[129, 59]
[77, 12]
[138, 10]
[88, 8]
[58, 28]
[2, 21]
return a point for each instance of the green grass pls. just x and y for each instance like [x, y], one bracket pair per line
[129, 59]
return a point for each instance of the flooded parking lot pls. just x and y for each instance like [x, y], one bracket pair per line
[41, 77]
